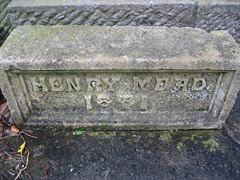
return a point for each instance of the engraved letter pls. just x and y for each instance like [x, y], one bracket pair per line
[103, 99]
[161, 84]
[56, 84]
[126, 99]
[140, 82]
[73, 84]
[198, 84]
[182, 84]
[41, 86]
[110, 83]
[93, 83]
[88, 98]
[144, 102]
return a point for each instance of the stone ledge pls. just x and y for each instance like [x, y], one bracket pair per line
[130, 77]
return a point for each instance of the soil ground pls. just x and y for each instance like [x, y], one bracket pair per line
[125, 155]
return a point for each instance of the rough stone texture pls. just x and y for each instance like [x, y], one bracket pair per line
[207, 15]
[118, 155]
[5, 24]
[125, 77]
[214, 16]
[233, 123]
[156, 13]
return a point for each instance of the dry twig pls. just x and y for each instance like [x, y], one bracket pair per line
[25, 164]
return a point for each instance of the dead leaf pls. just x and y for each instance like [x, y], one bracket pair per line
[46, 169]
[13, 131]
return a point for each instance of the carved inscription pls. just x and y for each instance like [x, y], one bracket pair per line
[133, 91]
[94, 84]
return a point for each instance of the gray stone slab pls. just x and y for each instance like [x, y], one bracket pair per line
[124, 77]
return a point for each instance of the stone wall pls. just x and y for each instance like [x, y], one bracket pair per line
[5, 24]
[219, 16]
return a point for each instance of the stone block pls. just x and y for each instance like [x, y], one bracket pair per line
[120, 77]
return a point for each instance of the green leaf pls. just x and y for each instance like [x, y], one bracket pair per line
[79, 132]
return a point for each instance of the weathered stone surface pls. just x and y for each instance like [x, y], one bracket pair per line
[129, 77]
[204, 14]
[233, 122]
[5, 24]
[212, 16]
[101, 12]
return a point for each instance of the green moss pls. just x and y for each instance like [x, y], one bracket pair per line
[184, 138]
[129, 141]
[93, 133]
[112, 142]
[151, 134]
[149, 141]
[212, 144]
[179, 146]
[123, 133]
[102, 135]
[137, 138]
[146, 145]
[159, 170]
[207, 137]
[166, 136]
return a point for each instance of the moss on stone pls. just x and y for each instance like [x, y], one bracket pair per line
[166, 136]
[212, 144]
[101, 134]
[179, 146]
